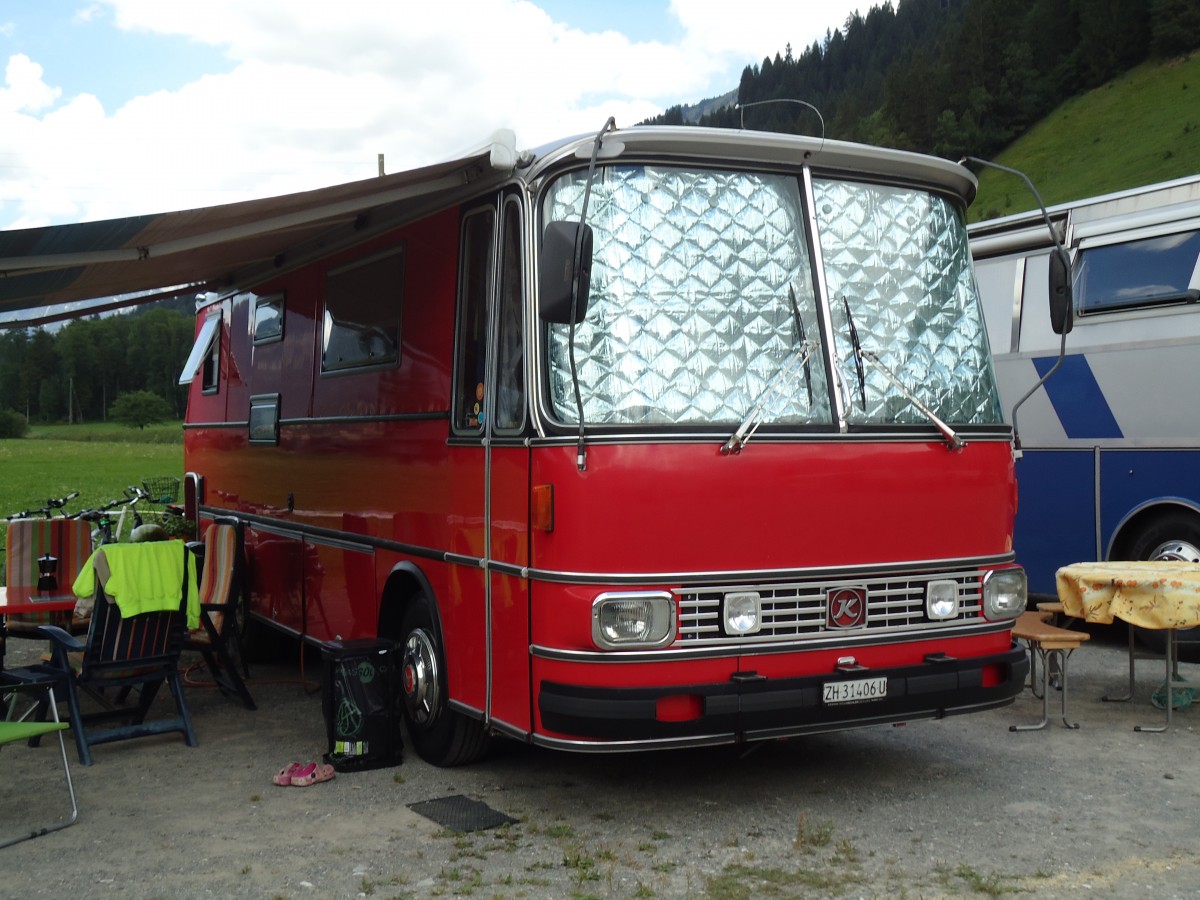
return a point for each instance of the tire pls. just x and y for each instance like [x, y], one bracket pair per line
[1174, 536]
[441, 736]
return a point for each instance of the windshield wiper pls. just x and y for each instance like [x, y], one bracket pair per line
[858, 366]
[794, 364]
[801, 340]
[953, 441]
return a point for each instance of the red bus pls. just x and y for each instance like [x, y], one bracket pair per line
[656, 438]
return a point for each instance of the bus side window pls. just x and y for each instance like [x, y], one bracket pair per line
[474, 286]
[510, 374]
[1136, 274]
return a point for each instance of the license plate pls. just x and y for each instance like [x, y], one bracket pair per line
[861, 690]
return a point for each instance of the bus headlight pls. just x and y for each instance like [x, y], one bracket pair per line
[742, 613]
[623, 620]
[1005, 593]
[941, 600]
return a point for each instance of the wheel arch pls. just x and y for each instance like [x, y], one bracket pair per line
[404, 583]
[1142, 517]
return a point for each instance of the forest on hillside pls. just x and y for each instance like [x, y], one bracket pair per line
[76, 373]
[952, 77]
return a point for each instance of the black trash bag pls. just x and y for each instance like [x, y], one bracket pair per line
[360, 702]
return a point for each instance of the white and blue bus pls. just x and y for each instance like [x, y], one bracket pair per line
[1110, 464]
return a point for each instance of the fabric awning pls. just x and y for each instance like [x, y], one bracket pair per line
[64, 271]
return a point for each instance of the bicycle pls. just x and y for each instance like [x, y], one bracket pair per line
[103, 531]
[47, 511]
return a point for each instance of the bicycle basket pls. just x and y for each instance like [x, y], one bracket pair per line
[161, 490]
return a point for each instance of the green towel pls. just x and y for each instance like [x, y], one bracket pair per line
[142, 578]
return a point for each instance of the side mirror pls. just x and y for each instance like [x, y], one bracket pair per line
[1062, 298]
[557, 274]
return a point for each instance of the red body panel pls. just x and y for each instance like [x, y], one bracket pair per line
[686, 508]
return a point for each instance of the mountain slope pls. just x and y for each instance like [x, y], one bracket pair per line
[1138, 129]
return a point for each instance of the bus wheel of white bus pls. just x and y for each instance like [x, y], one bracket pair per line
[442, 736]
[1175, 536]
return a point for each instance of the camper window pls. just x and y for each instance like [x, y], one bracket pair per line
[474, 285]
[1134, 274]
[510, 373]
[268, 318]
[205, 356]
[264, 419]
[362, 312]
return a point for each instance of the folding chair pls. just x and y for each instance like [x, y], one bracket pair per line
[222, 581]
[11, 732]
[126, 648]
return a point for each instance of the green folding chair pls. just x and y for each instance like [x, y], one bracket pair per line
[13, 731]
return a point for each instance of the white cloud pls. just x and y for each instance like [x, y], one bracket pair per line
[24, 88]
[315, 90]
[753, 29]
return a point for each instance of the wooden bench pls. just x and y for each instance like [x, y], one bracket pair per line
[1053, 612]
[1047, 642]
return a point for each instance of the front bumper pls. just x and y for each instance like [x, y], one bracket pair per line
[750, 708]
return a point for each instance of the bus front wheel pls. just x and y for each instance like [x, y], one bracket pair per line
[442, 736]
[1175, 536]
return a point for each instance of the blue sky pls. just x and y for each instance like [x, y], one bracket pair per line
[117, 107]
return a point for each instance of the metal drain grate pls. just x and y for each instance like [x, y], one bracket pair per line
[459, 813]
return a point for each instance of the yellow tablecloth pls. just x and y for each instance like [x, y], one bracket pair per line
[1150, 594]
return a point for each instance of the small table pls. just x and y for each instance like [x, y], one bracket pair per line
[1157, 594]
[15, 600]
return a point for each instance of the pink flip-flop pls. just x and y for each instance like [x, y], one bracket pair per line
[284, 776]
[313, 773]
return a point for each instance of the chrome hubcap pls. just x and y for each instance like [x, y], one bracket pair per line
[1177, 551]
[419, 673]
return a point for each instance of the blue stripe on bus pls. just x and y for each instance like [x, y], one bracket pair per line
[1077, 398]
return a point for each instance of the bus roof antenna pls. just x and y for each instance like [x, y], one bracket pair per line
[741, 108]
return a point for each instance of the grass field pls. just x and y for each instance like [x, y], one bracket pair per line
[99, 461]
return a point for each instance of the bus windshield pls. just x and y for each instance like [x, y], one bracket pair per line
[704, 306]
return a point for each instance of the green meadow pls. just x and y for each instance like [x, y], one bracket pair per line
[98, 461]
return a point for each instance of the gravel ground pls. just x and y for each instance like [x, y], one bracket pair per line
[954, 808]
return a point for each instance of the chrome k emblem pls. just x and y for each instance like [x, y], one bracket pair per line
[846, 607]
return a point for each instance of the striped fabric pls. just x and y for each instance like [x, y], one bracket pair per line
[115, 639]
[220, 549]
[27, 539]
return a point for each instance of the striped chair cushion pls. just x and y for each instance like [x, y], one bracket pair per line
[27, 539]
[220, 549]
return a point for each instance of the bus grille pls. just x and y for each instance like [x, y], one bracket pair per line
[797, 610]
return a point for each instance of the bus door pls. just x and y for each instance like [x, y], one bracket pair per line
[508, 482]
[490, 414]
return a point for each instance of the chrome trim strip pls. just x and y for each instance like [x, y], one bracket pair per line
[740, 577]
[998, 433]
[1097, 513]
[1018, 297]
[685, 653]
[509, 730]
[708, 740]
[473, 711]
[832, 363]
[440, 416]
[242, 424]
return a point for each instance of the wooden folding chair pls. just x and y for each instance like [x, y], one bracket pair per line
[140, 650]
[11, 732]
[222, 582]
